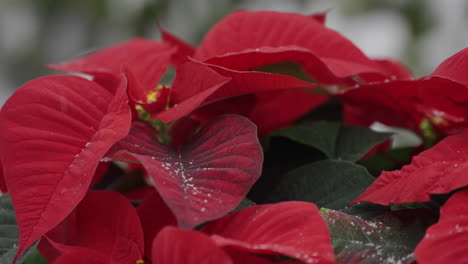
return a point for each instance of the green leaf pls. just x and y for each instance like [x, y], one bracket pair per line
[319, 135]
[358, 241]
[354, 142]
[335, 141]
[35, 258]
[327, 183]
[9, 232]
[244, 203]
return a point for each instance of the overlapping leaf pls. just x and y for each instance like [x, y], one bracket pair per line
[206, 177]
[358, 241]
[440, 169]
[111, 218]
[293, 229]
[445, 242]
[336, 141]
[177, 246]
[147, 60]
[282, 37]
[329, 183]
[54, 131]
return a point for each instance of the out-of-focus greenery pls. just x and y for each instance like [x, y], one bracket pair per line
[90, 24]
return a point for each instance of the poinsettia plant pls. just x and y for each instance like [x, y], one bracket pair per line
[253, 147]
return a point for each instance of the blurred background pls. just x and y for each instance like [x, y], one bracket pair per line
[421, 33]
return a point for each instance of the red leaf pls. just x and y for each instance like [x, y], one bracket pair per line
[154, 215]
[247, 82]
[54, 130]
[193, 84]
[256, 95]
[184, 50]
[440, 169]
[393, 103]
[293, 229]
[147, 60]
[81, 256]
[178, 246]
[277, 32]
[445, 242]
[106, 222]
[287, 106]
[397, 70]
[454, 68]
[3, 187]
[209, 175]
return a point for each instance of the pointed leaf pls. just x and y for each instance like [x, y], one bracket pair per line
[256, 95]
[184, 50]
[194, 83]
[282, 33]
[440, 169]
[358, 241]
[445, 242]
[454, 68]
[328, 183]
[178, 246]
[245, 82]
[105, 215]
[293, 229]
[209, 175]
[146, 59]
[54, 131]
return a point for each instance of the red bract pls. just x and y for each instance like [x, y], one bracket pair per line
[208, 175]
[445, 242]
[293, 229]
[154, 215]
[441, 97]
[54, 131]
[245, 95]
[107, 224]
[231, 47]
[147, 60]
[177, 246]
[441, 169]
[279, 37]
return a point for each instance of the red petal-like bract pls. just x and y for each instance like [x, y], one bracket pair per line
[3, 187]
[81, 256]
[445, 242]
[54, 131]
[178, 246]
[454, 68]
[282, 37]
[193, 84]
[184, 50]
[154, 216]
[106, 222]
[440, 169]
[242, 83]
[147, 61]
[293, 229]
[271, 101]
[441, 97]
[206, 177]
